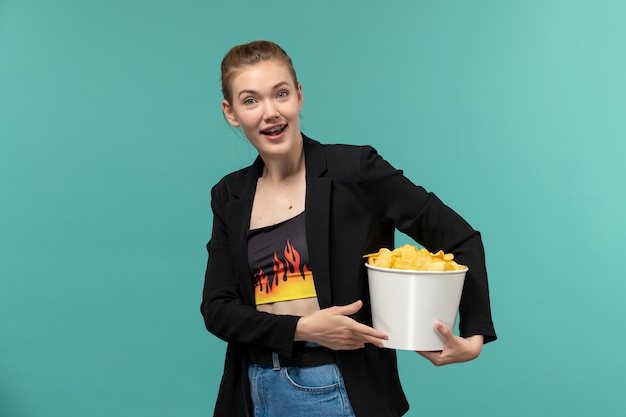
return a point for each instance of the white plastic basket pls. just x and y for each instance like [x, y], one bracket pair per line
[406, 305]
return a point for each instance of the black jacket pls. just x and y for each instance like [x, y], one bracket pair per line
[354, 202]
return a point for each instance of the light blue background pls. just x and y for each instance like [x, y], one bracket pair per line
[111, 136]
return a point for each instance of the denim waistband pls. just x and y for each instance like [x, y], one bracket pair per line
[309, 356]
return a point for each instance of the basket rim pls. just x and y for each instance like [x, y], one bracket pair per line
[415, 271]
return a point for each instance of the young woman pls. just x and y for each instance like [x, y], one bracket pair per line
[285, 283]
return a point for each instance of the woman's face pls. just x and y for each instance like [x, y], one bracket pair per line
[266, 103]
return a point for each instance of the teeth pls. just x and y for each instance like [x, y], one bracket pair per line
[275, 129]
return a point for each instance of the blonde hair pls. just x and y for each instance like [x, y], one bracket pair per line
[250, 54]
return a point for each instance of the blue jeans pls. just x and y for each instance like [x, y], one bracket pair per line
[317, 391]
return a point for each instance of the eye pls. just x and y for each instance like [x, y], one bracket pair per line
[282, 94]
[249, 101]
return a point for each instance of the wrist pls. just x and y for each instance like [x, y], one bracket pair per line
[300, 334]
[475, 344]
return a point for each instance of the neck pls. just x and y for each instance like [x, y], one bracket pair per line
[283, 168]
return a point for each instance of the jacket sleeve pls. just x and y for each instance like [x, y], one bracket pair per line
[426, 219]
[225, 314]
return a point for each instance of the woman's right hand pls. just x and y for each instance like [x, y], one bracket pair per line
[331, 327]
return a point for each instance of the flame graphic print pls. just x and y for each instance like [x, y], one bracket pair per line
[289, 278]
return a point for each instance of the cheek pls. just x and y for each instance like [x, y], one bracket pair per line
[248, 119]
[293, 110]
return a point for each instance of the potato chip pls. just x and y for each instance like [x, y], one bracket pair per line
[409, 257]
[384, 259]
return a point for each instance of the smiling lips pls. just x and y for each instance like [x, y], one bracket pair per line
[274, 131]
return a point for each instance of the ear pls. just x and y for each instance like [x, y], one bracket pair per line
[229, 114]
[300, 97]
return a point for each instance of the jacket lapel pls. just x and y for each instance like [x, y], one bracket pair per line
[239, 212]
[317, 223]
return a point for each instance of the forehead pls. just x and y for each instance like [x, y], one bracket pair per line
[261, 76]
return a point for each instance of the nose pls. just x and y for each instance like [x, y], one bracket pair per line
[271, 111]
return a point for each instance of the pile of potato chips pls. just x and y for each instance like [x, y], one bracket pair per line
[409, 257]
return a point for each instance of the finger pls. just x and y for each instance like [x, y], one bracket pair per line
[447, 334]
[428, 354]
[349, 309]
[376, 342]
[353, 346]
[370, 332]
[435, 357]
[370, 335]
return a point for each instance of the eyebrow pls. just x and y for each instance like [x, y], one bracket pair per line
[280, 84]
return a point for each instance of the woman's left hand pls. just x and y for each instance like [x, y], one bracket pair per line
[455, 349]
